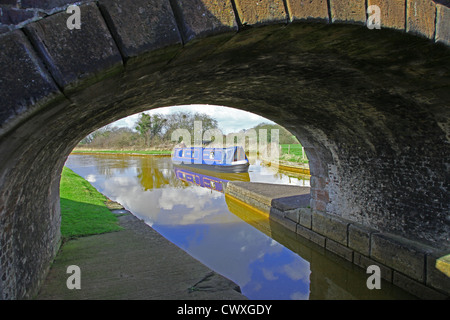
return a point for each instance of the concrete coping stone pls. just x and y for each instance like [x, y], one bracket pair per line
[331, 226]
[283, 197]
[401, 254]
[359, 238]
[292, 202]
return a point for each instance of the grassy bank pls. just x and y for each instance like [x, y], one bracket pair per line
[150, 152]
[83, 209]
[293, 153]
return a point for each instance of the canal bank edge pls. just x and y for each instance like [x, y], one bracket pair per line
[412, 266]
[301, 168]
[135, 263]
[115, 152]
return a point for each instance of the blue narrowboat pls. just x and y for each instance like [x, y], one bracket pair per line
[232, 159]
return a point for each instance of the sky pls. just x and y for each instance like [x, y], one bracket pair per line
[229, 119]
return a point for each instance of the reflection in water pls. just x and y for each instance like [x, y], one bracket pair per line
[235, 240]
[208, 179]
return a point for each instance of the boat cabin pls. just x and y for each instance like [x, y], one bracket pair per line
[210, 156]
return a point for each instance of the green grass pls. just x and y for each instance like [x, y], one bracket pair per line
[83, 209]
[125, 151]
[294, 149]
[295, 153]
[293, 158]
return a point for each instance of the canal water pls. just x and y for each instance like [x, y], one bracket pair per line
[264, 259]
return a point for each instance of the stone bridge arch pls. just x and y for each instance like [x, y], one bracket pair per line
[371, 107]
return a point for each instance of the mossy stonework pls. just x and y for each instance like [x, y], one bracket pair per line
[370, 106]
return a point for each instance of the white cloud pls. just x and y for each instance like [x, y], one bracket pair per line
[126, 122]
[297, 270]
[269, 274]
[91, 178]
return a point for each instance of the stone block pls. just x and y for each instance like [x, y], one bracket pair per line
[141, 26]
[392, 13]
[282, 197]
[307, 9]
[13, 16]
[23, 84]
[364, 262]
[416, 288]
[198, 18]
[9, 2]
[436, 278]
[305, 217]
[45, 4]
[348, 11]
[310, 235]
[246, 190]
[318, 182]
[293, 202]
[293, 215]
[443, 24]
[255, 203]
[330, 226]
[421, 17]
[400, 254]
[278, 216]
[4, 29]
[91, 49]
[261, 12]
[339, 249]
[359, 238]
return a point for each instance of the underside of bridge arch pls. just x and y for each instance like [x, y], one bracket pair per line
[371, 108]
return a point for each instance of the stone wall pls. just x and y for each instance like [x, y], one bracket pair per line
[423, 17]
[407, 264]
[370, 106]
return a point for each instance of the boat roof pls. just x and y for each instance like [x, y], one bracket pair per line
[233, 147]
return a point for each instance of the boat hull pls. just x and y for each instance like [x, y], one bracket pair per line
[238, 168]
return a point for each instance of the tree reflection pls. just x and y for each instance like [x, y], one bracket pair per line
[156, 173]
[109, 165]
